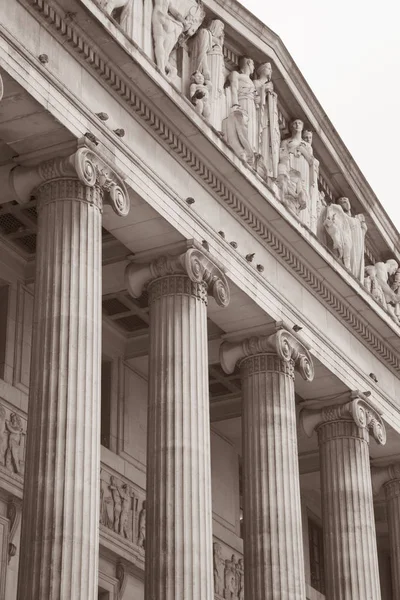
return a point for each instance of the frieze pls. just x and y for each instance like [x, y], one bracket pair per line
[121, 509]
[101, 65]
[228, 573]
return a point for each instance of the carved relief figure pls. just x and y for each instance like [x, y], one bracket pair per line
[245, 96]
[240, 579]
[235, 133]
[172, 20]
[377, 283]
[347, 234]
[15, 429]
[219, 567]
[268, 120]
[126, 497]
[200, 94]
[3, 435]
[106, 506]
[141, 542]
[230, 578]
[206, 54]
[117, 502]
[295, 169]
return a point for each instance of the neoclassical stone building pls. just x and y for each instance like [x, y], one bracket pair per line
[200, 317]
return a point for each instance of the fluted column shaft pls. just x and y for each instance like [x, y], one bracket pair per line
[351, 558]
[392, 492]
[179, 512]
[59, 545]
[273, 547]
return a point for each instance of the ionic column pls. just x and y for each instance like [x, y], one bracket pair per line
[351, 558]
[273, 537]
[59, 541]
[178, 501]
[389, 477]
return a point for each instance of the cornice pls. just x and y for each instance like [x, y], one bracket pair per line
[95, 60]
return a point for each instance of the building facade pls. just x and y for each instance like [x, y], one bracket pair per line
[200, 334]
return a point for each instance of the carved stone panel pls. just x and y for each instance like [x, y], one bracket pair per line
[122, 508]
[228, 572]
[12, 441]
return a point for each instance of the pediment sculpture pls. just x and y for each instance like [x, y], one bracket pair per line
[269, 135]
[173, 21]
[378, 283]
[297, 170]
[346, 236]
[206, 58]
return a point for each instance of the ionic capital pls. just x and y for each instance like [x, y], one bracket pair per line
[85, 165]
[282, 343]
[383, 475]
[357, 410]
[192, 263]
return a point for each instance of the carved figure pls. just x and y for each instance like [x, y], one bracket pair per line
[347, 234]
[230, 578]
[115, 493]
[172, 20]
[235, 133]
[240, 579]
[295, 168]
[268, 120]
[206, 54]
[244, 94]
[200, 94]
[377, 283]
[106, 506]
[142, 527]
[3, 434]
[219, 566]
[126, 495]
[14, 428]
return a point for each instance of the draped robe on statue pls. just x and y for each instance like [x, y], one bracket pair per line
[206, 54]
[269, 131]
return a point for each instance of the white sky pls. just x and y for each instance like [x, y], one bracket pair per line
[349, 53]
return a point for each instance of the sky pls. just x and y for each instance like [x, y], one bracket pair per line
[349, 53]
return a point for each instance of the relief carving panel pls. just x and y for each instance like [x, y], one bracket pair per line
[12, 441]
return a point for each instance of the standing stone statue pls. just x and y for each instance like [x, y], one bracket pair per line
[244, 95]
[206, 56]
[269, 132]
[235, 133]
[15, 429]
[141, 542]
[377, 283]
[347, 235]
[173, 20]
[296, 163]
[219, 566]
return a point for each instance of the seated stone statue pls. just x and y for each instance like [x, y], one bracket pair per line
[235, 133]
[346, 236]
[295, 169]
[377, 283]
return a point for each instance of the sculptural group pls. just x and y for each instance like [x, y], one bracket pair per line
[11, 434]
[242, 105]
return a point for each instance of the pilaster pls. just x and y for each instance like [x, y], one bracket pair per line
[179, 511]
[273, 542]
[351, 558]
